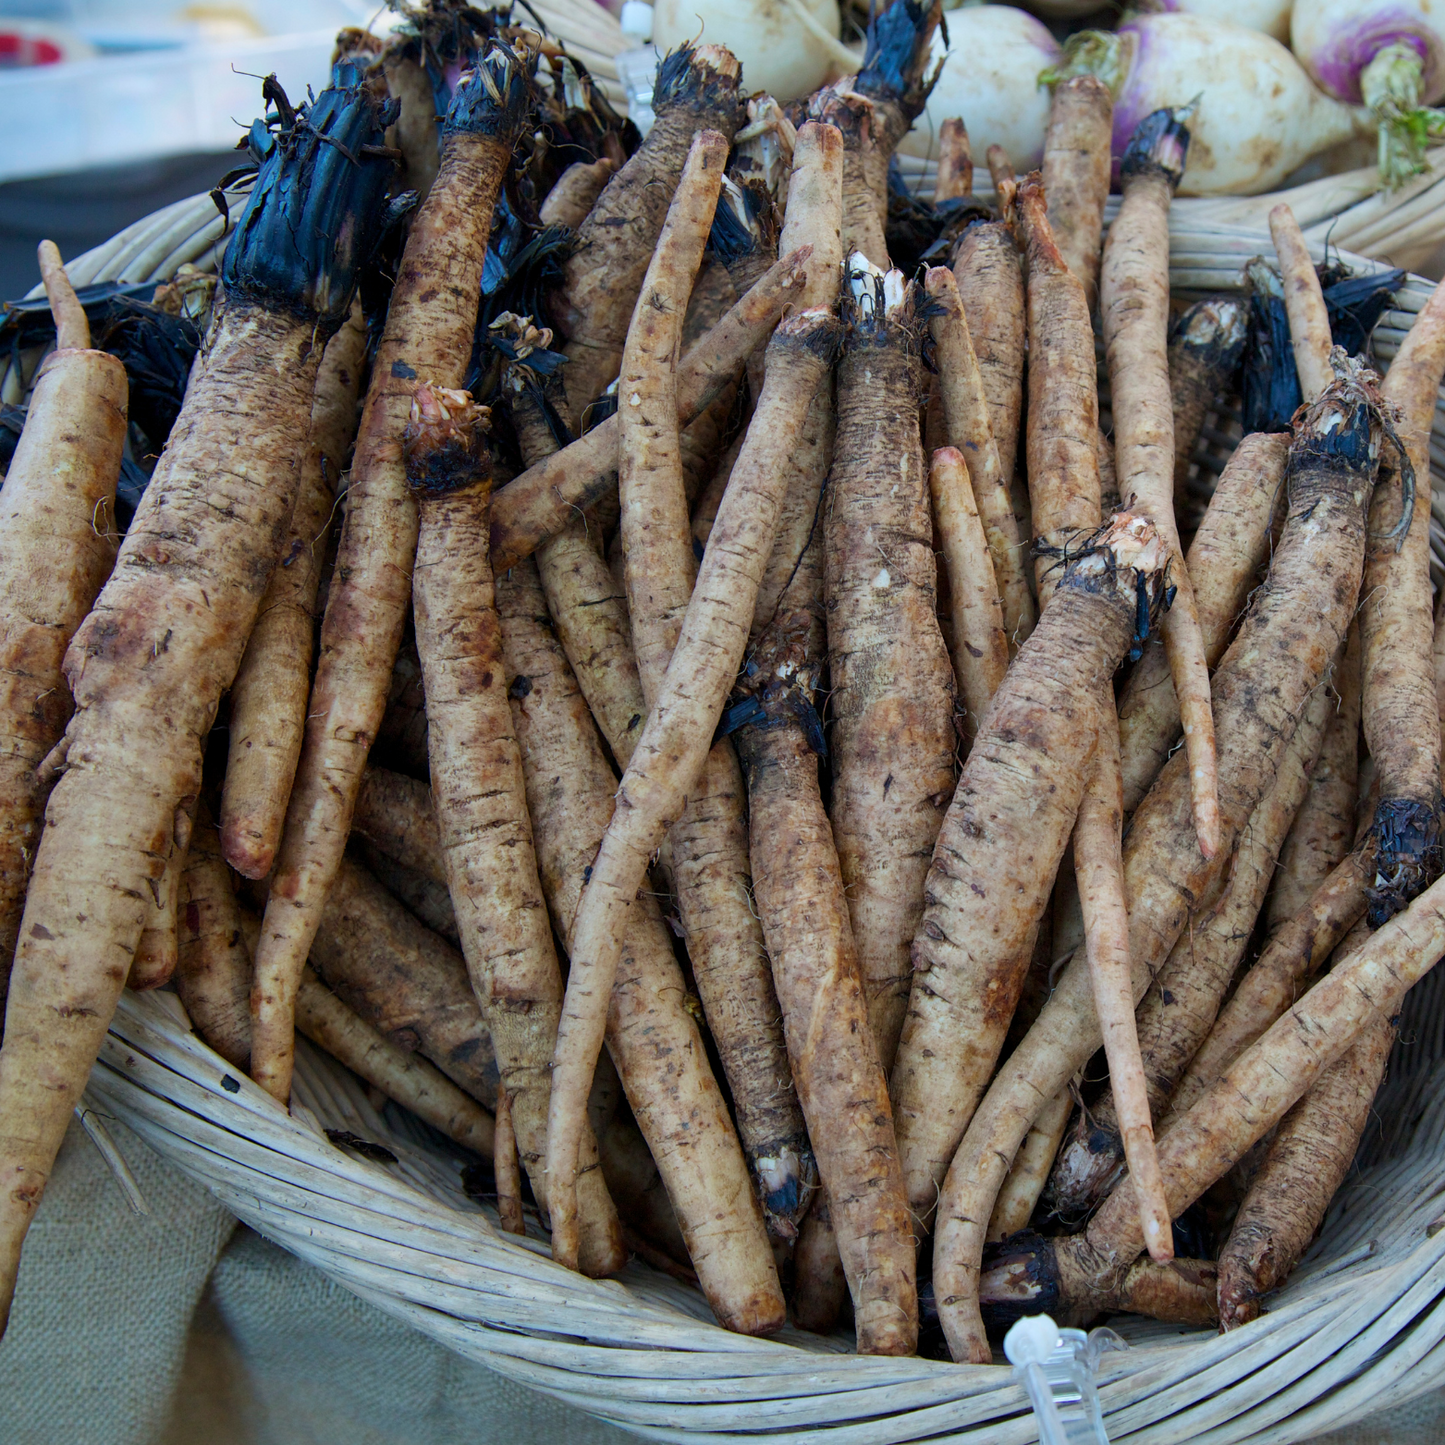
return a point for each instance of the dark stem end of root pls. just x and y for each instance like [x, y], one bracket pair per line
[704, 79]
[445, 442]
[1212, 333]
[1159, 146]
[1020, 1276]
[777, 684]
[496, 96]
[787, 1179]
[895, 57]
[1408, 857]
[318, 203]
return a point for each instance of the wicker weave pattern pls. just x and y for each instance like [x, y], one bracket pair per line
[1359, 1327]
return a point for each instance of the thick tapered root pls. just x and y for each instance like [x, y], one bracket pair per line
[989, 880]
[1397, 682]
[1076, 168]
[483, 829]
[1309, 1158]
[1228, 550]
[990, 276]
[892, 701]
[56, 549]
[547, 496]
[840, 1080]
[1063, 413]
[651, 1036]
[269, 695]
[670, 755]
[697, 90]
[1134, 307]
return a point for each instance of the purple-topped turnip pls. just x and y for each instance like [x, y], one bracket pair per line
[1386, 54]
[1259, 115]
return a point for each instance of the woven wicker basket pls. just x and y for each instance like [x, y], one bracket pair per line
[1359, 1327]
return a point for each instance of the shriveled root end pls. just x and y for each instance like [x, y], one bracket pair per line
[1159, 145]
[1246, 1275]
[1087, 1168]
[444, 443]
[900, 41]
[787, 1179]
[705, 79]
[1408, 856]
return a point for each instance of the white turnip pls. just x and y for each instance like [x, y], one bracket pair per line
[1259, 114]
[991, 77]
[777, 48]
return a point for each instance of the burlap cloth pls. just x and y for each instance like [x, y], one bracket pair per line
[183, 1328]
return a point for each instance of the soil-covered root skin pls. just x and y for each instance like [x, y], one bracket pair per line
[1000, 845]
[429, 330]
[697, 89]
[549, 494]
[1076, 168]
[56, 549]
[1230, 545]
[394, 813]
[1063, 413]
[892, 703]
[1134, 311]
[1398, 693]
[651, 1036]
[1205, 349]
[405, 981]
[1181, 1004]
[483, 827]
[990, 275]
[273, 684]
[148, 666]
[213, 970]
[799, 891]
[1308, 1159]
